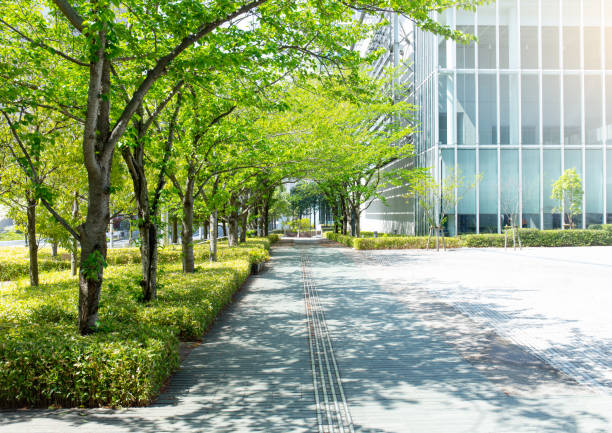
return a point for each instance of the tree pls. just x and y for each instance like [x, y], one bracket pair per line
[97, 61]
[438, 199]
[567, 190]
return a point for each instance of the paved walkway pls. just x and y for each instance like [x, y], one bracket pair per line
[330, 339]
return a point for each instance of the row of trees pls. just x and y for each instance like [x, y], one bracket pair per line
[202, 108]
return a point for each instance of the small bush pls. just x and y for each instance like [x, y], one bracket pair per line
[274, 237]
[403, 242]
[342, 239]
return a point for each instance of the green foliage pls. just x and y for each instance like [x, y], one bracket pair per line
[607, 227]
[567, 190]
[11, 235]
[44, 360]
[299, 225]
[274, 237]
[92, 264]
[337, 237]
[14, 262]
[529, 238]
[402, 242]
[543, 238]
[437, 198]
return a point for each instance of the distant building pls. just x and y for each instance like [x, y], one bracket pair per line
[531, 99]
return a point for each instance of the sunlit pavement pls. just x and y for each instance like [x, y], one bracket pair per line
[457, 341]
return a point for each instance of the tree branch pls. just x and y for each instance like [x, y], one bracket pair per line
[33, 176]
[45, 46]
[161, 180]
[161, 107]
[69, 12]
[160, 67]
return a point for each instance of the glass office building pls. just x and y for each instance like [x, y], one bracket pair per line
[531, 99]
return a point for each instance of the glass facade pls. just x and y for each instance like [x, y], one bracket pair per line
[531, 99]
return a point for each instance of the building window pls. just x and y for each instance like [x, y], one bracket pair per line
[445, 99]
[592, 34]
[552, 171]
[508, 34]
[550, 48]
[609, 108]
[551, 109]
[572, 109]
[466, 208]
[550, 34]
[593, 186]
[487, 109]
[466, 109]
[509, 186]
[508, 91]
[593, 109]
[487, 194]
[571, 34]
[530, 110]
[531, 188]
[609, 185]
[487, 40]
[592, 48]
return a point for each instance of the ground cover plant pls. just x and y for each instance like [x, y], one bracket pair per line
[45, 361]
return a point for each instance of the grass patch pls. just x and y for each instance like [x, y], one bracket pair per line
[44, 361]
[11, 235]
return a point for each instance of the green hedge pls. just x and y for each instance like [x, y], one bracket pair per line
[543, 238]
[529, 238]
[274, 237]
[44, 361]
[337, 237]
[607, 227]
[403, 242]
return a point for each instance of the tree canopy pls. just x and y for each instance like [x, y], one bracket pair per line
[199, 110]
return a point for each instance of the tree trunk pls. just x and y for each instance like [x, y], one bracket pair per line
[54, 250]
[93, 249]
[224, 229]
[148, 253]
[75, 244]
[357, 221]
[187, 230]
[174, 229]
[213, 236]
[344, 217]
[266, 218]
[244, 218]
[206, 228]
[147, 228]
[32, 244]
[232, 239]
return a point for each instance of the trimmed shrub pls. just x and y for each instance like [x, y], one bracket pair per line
[403, 242]
[485, 240]
[543, 238]
[44, 361]
[274, 237]
[342, 239]
[607, 227]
